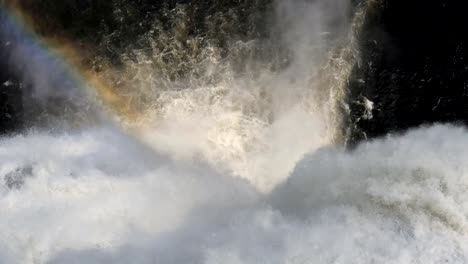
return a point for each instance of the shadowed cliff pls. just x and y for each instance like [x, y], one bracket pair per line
[414, 67]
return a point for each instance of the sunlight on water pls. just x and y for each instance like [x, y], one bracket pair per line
[234, 166]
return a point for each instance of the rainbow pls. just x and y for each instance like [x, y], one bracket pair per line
[59, 60]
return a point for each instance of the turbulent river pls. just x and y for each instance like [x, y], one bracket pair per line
[232, 167]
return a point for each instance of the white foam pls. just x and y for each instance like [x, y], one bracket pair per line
[95, 190]
[99, 196]
[211, 178]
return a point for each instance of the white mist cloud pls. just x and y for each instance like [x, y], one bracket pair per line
[101, 197]
[51, 87]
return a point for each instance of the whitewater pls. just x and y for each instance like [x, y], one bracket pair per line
[243, 168]
[100, 196]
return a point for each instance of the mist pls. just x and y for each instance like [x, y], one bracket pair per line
[236, 159]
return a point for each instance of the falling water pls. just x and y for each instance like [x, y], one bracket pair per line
[234, 156]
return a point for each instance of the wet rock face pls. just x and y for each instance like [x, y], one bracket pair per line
[414, 67]
[11, 105]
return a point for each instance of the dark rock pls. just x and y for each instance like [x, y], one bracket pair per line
[414, 67]
[11, 105]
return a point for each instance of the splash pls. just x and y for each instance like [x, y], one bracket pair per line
[213, 168]
[99, 196]
[253, 112]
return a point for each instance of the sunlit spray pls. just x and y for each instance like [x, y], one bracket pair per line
[212, 164]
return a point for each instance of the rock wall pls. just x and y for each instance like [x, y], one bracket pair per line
[413, 68]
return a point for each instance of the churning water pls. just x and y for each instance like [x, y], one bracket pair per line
[228, 166]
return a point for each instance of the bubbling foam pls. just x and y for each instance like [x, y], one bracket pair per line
[100, 196]
[208, 172]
